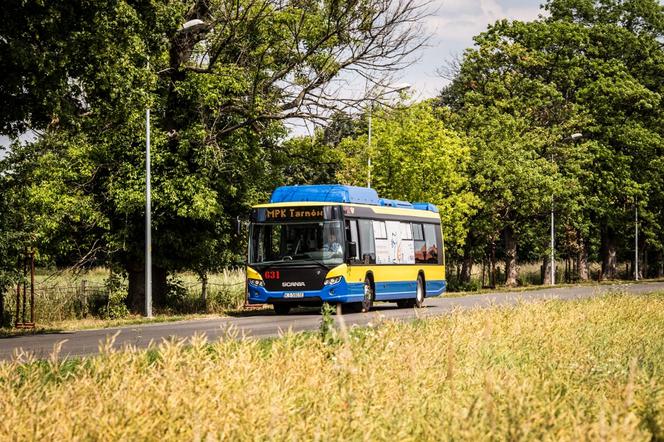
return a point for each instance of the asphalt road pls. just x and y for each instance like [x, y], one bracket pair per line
[266, 324]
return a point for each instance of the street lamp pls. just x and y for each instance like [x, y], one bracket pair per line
[148, 217]
[148, 193]
[636, 242]
[385, 91]
[573, 137]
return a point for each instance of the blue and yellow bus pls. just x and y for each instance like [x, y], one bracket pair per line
[343, 245]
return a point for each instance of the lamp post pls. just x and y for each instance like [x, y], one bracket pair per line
[636, 243]
[369, 151]
[388, 90]
[573, 137]
[148, 218]
[148, 193]
[553, 241]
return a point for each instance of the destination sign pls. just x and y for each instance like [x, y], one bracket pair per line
[290, 213]
[295, 214]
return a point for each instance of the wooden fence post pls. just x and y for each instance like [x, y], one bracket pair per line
[204, 290]
[86, 307]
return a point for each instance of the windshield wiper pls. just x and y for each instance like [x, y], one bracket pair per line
[315, 261]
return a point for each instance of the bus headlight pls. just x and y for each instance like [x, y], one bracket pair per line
[256, 283]
[332, 281]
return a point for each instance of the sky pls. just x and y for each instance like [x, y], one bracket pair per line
[451, 25]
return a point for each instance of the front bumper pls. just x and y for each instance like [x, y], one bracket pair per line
[340, 292]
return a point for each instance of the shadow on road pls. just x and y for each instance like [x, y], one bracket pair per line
[17, 333]
[306, 311]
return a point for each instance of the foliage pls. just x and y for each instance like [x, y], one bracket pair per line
[590, 68]
[219, 90]
[526, 372]
[415, 157]
[116, 291]
[494, 152]
[328, 333]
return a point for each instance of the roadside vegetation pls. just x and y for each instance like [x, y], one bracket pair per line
[551, 370]
[96, 298]
[561, 112]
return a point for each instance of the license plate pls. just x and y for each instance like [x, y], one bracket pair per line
[294, 295]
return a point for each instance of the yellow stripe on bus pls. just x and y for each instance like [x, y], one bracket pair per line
[253, 274]
[385, 273]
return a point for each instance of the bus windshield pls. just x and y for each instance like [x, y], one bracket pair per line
[321, 242]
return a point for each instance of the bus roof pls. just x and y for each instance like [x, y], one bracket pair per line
[339, 194]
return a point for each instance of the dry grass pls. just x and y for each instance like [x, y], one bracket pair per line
[545, 371]
[64, 297]
[91, 323]
[530, 276]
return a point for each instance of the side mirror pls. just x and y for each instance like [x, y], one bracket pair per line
[352, 249]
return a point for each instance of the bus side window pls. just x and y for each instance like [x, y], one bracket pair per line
[351, 234]
[367, 242]
[419, 243]
[431, 243]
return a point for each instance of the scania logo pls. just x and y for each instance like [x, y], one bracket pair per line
[292, 284]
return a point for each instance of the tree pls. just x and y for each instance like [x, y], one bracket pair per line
[15, 240]
[219, 90]
[514, 122]
[590, 67]
[415, 157]
[622, 91]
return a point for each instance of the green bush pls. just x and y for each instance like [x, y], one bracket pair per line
[116, 290]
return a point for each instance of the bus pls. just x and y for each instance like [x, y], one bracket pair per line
[336, 244]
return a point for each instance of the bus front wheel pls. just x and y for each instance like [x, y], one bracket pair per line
[367, 301]
[281, 308]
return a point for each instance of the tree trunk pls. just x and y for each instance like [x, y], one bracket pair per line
[546, 269]
[2, 307]
[567, 270]
[582, 260]
[483, 272]
[660, 265]
[609, 255]
[511, 269]
[467, 266]
[136, 298]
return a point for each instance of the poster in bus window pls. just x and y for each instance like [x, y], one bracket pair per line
[404, 252]
[394, 236]
[383, 255]
[406, 248]
[400, 248]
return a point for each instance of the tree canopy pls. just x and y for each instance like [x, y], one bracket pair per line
[563, 112]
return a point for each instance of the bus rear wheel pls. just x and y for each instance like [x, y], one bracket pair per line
[418, 302]
[419, 293]
[281, 308]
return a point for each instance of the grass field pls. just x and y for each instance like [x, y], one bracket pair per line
[552, 370]
[64, 300]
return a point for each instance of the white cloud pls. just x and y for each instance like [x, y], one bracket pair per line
[452, 27]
